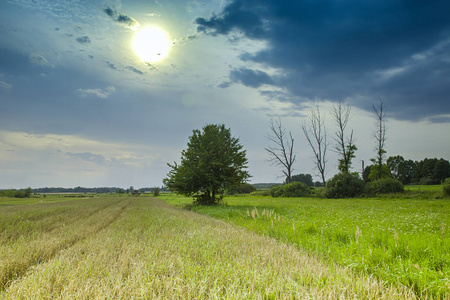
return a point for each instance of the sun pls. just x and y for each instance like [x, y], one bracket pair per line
[151, 44]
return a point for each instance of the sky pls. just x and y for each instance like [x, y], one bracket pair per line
[80, 107]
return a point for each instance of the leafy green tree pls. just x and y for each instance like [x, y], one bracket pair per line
[213, 162]
[441, 170]
[397, 166]
[366, 174]
[410, 170]
[305, 178]
[28, 192]
[377, 172]
[446, 187]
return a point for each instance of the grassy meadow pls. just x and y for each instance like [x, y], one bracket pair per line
[405, 242]
[122, 247]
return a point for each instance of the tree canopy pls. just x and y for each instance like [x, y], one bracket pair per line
[213, 162]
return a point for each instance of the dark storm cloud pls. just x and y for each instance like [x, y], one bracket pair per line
[111, 65]
[120, 18]
[84, 40]
[251, 78]
[133, 69]
[236, 15]
[397, 50]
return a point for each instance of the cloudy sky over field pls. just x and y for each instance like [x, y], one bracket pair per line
[80, 107]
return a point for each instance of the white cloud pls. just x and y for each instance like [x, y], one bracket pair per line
[40, 60]
[100, 93]
[5, 86]
[68, 160]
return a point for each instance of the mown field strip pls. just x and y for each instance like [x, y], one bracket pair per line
[155, 251]
[34, 234]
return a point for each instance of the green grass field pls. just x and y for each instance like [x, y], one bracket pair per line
[400, 241]
[119, 247]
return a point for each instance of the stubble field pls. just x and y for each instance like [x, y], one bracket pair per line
[111, 247]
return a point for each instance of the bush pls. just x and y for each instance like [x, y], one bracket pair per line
[24, 193]
[384, 186]
[427, 181]
[244, 188]
[156, 191]
[293, 189]
[446, 187]
[344, 185]
[276, 191]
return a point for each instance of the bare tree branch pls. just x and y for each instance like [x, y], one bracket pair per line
[316, 136]
[282, 154]
[380, 133]
[345, 148]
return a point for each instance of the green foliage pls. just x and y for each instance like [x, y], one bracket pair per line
[344, 185]
[366, 173]
[377, 172]
[305, 178]
[345, 163]
[396, 165]
[384, 186]
[446, 187]
[213, 162]
[432, 171]
[293, 189]
[276, 191]
[24, 193]
[244, 188]
[296, 189]
[441, 170]
[156, 191]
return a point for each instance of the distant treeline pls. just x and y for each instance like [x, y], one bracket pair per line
[427, 171]
[96, 190]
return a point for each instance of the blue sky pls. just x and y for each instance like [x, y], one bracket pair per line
[78, 107]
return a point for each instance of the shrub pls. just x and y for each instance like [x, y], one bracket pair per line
[295, 189]
[244, 188]
[24, 193]
[276, 191]
[426, 181]
[344, 185]
[384, 186]
[156, 191]
[446, 187]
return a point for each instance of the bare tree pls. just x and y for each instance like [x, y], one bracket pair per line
[282, 154]
[316, 136]
[345, 147]
[380, 138]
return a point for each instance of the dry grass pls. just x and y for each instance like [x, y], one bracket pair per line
[141, 248]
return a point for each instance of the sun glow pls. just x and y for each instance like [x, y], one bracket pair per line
[151, 44]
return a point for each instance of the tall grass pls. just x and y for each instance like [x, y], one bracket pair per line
[403, 242]
[141, 248]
